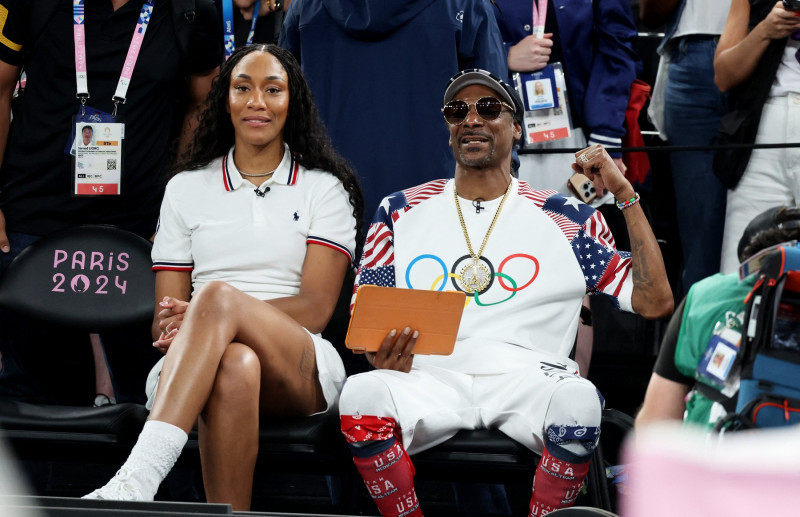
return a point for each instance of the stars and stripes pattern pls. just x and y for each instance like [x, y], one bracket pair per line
[377, 263]
[604, 268]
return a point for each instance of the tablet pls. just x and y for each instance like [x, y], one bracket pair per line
[378, 310]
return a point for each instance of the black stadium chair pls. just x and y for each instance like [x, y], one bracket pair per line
[91, 278]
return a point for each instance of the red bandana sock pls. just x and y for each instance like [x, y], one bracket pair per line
[389, 478]
[383, 464]
[556, 484]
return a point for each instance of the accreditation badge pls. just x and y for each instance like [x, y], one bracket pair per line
[97, 159]
[544, 94]
[718, 365]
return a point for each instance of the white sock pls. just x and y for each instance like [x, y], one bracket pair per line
[154, 455]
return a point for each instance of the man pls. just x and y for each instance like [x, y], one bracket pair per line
[87, 133]
[713, 308]
[380, 65]
[538, 254]
[42, 188]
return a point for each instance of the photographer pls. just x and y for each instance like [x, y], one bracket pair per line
[715, 306]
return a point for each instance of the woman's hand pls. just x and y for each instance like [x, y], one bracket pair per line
[395, 353]
[604, 171]
[779, 23]
[169, 321]
[530, 54]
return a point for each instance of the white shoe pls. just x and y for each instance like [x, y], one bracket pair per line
[119, 488]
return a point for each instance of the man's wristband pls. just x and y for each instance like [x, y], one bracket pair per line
[622, 205]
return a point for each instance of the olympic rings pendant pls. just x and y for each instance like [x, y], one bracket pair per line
[475, 276]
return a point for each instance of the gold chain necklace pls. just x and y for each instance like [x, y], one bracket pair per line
[475, 276]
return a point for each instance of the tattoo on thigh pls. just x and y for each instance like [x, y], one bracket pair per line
[308, 362]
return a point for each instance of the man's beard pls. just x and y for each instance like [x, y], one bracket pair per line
[477, 163]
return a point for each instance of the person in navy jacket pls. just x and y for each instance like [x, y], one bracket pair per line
[376, 70]
[594, 43]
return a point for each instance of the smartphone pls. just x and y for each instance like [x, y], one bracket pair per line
[791, 5]
[582, 187]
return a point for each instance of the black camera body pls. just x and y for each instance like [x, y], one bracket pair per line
[791, 5]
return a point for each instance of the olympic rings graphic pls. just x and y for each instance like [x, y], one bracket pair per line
[505, 281]
[457, 265]
[432, 257]
[505, 261]
[513, 292]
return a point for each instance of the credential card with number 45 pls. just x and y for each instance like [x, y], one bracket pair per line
[98, 159]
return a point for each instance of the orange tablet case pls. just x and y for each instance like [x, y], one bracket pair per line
[377, 310]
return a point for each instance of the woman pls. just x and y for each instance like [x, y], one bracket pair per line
[748, 60]
[258, 234]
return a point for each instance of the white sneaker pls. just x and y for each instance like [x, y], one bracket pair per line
[119, 488]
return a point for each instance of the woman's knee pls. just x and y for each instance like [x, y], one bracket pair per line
[239, 372]
[214, 298]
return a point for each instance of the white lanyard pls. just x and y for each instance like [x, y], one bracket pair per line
[130, 60]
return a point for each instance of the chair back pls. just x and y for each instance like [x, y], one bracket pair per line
[89, 277]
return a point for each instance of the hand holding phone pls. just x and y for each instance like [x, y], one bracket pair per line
[582, 187]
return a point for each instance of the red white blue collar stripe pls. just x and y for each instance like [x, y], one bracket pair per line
[231, 182]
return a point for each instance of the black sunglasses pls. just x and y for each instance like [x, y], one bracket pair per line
[488, 108]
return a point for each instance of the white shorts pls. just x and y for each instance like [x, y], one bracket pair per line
[329, 366]
[432, 404]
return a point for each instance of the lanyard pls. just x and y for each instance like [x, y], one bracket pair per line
[78, 15]
[227, 18]
[539, 17]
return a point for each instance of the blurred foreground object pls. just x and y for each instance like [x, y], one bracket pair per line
[680, 471]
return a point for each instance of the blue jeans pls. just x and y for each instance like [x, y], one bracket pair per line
[693, 109]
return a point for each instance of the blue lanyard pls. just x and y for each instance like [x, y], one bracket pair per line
[227, 18]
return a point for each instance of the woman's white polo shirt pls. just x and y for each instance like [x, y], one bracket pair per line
[219, 226]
